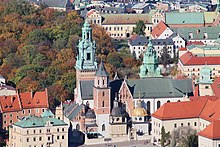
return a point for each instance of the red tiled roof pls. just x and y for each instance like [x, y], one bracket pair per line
[159, 29]
[90, 12]
[24, 100]
[34, 100]
[182, 49]
[178, 110]
[189, 59]
[216, 87]
[194, 98]
[205, 107]
[10, 103]
[195, 42]
[212, 130]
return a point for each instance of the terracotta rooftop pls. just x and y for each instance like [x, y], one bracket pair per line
[24, 100]
[178, 110]
[212, 130]
[10, 103]
[37, 99]
[195, 42]
[205, 107]
[159, 29]
[182, 49]
[189, 59]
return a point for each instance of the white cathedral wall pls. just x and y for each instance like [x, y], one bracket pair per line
[153, 102]
[103, 119]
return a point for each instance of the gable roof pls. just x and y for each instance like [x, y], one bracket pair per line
[189, 59]
[10, 103]
[125, 18]
[137, 40]
[159, 29]
[212, 130]
[37, 99]
[184, 18]
[180, 110]
[24, 100]
[159, 87]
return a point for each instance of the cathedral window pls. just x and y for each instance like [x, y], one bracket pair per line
[103, 104]
[158, 104]
[103, 82]
[98, 82]
[103, 93]
[103, 127]
[88, 57]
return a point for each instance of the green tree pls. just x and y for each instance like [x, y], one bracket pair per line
[165, 58]
[164, 136]
[140, 28]
[115, 59]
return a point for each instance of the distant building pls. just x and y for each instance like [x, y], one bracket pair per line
[43, 130]
[206, 35]
[138, 45]
[119, 25]
[190, 65]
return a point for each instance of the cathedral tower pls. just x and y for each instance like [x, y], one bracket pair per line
[86, 64]
[149, 67]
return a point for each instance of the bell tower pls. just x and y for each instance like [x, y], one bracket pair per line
[102, 99]
[101, 91]
[86, 64]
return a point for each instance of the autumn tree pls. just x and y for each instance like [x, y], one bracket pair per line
[104, 44]
[139, 28]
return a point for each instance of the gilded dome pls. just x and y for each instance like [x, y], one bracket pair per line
[139, 112]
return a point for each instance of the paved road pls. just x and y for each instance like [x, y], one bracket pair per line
[135, 143]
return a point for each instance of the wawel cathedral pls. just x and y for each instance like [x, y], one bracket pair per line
[118, 107]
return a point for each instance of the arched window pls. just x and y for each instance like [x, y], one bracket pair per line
[103, 82]
[158, 104]
[148, 107]
[103, 127]
[98, 82]
[78, 127]
[103, 93]
[168, 101]
[103, 104]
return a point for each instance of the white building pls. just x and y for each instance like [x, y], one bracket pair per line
[194, 114]
[33, 131]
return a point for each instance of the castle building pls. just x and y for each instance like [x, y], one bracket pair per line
[95, 108]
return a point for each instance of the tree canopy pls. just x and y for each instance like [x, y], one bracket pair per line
[139, 28]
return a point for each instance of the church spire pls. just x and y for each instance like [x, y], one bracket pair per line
[86, 50]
